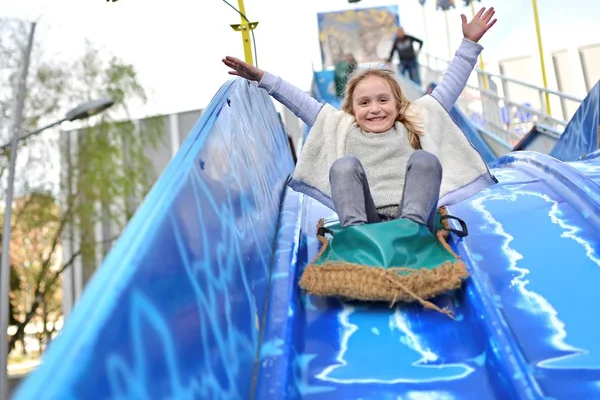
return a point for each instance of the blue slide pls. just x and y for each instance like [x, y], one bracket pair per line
[199, 297]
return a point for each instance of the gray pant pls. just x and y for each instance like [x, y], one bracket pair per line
[353, 201]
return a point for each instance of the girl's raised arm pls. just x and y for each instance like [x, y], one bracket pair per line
[459, 70]
[300, 103]
[457, 74]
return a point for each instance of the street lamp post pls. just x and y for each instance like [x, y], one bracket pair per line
[5, 270]
[82, 111]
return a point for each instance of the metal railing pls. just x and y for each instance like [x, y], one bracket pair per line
[505, 106]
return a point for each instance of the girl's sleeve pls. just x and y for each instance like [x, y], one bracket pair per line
[458, 73]
[300, 103]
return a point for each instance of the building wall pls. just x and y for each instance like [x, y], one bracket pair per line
[590, 60]
[176, 128]
[523, 69]
[573, 71]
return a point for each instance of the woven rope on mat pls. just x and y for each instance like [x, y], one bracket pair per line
[361, 282]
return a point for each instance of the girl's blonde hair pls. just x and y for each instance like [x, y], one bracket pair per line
[405, 109]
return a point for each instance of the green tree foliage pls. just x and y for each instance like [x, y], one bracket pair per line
[110, 171]
[35, 260]
[105, 173]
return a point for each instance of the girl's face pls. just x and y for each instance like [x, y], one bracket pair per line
[374, 105]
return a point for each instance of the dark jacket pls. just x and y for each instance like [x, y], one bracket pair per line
[405, 48]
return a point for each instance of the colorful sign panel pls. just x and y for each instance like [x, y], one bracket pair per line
[366, 33]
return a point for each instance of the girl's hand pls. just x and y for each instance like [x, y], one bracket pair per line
[480, 24]
[243, 69]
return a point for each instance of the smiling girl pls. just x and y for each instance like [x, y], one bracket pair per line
[382, 157]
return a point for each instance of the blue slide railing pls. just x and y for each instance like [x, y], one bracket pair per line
[176, 308]
[199, 297]
[581, 136]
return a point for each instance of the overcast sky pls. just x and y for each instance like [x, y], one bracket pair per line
[177, 46]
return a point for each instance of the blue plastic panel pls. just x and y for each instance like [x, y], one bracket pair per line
[581, 134]
[199, 298]
[174, 311]
[536, 266]
[324, 88]
[589, 167]
[520, 332]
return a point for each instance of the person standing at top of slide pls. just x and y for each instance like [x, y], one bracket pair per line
[404, 45]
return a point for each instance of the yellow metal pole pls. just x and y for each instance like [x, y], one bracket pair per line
[541, 50]
[245, 27]
[481, 63]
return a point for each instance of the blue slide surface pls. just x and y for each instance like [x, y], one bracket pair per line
[199, 297]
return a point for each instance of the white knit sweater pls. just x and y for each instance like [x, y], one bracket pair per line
[384, 157]
[335, 134]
